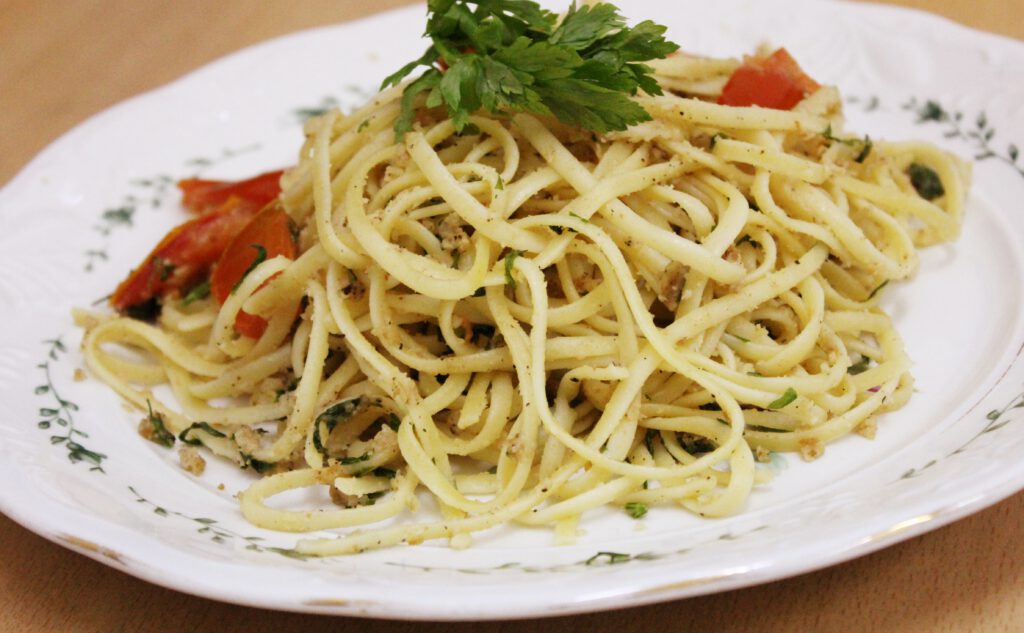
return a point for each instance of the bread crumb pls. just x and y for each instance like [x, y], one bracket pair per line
[762, 454]
[146, 429]
[248, 440]
[342, 499]
[191, 460]
[79, 375]
[220, 486]
[867, 428]
[453, 237]
[811, 449]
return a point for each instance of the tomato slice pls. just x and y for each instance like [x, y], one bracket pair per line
[776, 81]
[268, 235]
[184, 255]
[202, 196]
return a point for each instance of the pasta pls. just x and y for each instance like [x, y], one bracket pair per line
[527, 321]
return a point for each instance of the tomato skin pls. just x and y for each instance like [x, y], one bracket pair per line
[203, 196]
[184, 255]
[269, 229]
[776, 81]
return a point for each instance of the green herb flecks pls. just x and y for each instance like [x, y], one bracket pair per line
[330, 418]
[636, 509]
[783, 400]
[261, 256]
[877, 289]
[248, 461]
[926, 182]
[185, 436]
[393, 422]
[197, 293]
[510, 261]
[862, 145]
[859, 367]
[509, 56]
[694, 444]
[154, 430]
[649, 440]
[348, 461]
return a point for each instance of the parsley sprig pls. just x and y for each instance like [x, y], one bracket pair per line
[508, 56]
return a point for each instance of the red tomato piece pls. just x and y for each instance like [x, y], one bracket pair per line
[202, 196]
[776, 81]
[270, 230]
[184, 255]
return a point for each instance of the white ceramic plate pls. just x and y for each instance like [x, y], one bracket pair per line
[89, 207]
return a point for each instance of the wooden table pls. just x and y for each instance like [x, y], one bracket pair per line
[63, 60]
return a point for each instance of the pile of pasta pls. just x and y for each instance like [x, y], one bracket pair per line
[526, 322]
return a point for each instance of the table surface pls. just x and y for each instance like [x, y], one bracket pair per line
[64, 60]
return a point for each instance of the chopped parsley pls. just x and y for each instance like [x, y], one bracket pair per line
[202, 426]
[783, 400]
[197, 293]
[510, 261]
[348, 461]
[859, 367]
[154, 430]
[636, 509]
[165, 268]
[330, 418]
[864, 144]
[261, 256]
[248, 461]
[393, 422]
[649, 440]
[877, 289]
[926, 182]
[693, 443]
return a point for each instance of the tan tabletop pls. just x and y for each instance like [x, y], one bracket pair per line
[64, 60]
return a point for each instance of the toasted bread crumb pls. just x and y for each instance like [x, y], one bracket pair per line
[811, 449]
[191, 460]
[867, 428]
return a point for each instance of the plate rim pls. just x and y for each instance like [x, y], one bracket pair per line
[776, 571]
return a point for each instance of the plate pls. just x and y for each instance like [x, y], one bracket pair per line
[91, 205]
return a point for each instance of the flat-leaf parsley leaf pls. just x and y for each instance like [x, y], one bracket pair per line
[509, 56]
